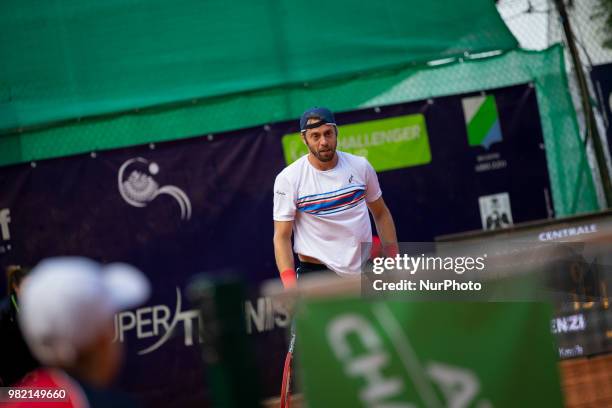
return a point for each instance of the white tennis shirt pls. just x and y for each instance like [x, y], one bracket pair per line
[328, 209]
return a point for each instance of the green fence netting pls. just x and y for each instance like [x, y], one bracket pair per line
[570, 176]
[64, 60]
[571, 182]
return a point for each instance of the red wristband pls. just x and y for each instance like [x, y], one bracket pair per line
[376, 250]
[391, 250]
[289, 278]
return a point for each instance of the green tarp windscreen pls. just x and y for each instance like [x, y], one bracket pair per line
[64, 60]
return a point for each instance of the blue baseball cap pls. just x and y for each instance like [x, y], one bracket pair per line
[325, 116]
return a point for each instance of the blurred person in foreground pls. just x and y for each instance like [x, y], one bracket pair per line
[16, 360]
[322, 199]
[67, 310]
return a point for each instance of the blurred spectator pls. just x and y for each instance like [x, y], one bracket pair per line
[67, 310]
[15, 357]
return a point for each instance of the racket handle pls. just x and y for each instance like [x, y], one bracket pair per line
[285, 395]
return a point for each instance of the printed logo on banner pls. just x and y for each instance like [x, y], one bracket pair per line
[567, 232]
[139, 188]
[5, 231]
[391, 143]
[481, 120]
[495, 211]
[158, 322]
[483, 129]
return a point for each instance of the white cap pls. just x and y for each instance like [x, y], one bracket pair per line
[66, 302]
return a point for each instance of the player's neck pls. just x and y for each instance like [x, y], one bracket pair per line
[320, 165]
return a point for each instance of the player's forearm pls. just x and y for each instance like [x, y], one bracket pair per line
[283, 253]
[284, 261]
[386, 229]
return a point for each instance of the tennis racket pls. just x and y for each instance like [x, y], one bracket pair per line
[285, 395]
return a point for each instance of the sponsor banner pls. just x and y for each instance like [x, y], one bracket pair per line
[602, 81]
[172, 210]
[355, 354]
[584, 331]
[388, 144]
[205, 205]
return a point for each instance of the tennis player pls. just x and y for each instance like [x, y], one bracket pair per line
[322, 199]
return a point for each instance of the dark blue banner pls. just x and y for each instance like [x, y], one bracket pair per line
[205, 204]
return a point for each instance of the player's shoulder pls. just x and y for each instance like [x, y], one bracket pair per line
[353, 159]
[293, 170]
